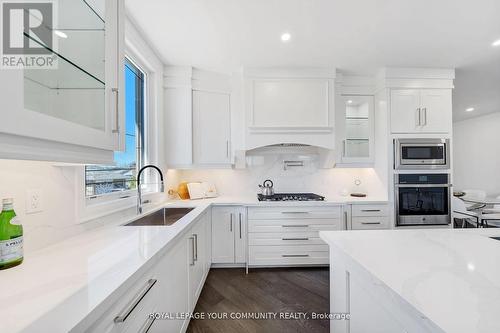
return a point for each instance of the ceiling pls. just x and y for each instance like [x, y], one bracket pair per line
[355, 36]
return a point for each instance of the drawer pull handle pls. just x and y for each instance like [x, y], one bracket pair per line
[193, 260]
[295, 212]
[134, 302]
[295, 225]
[370, 210]
[370, 222]
[147, 324]
[195, 236]
[296, 239]
[295, 255]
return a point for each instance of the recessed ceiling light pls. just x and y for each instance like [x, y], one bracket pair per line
[349, 102]
[496, 43]
[60, 34]
[286, 37]
[469, 109]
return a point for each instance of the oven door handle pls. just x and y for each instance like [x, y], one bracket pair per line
[423, 185]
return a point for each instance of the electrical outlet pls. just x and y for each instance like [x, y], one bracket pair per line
[33, 201]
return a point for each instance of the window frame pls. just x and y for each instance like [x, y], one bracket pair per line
[139, 54]
[140, 158]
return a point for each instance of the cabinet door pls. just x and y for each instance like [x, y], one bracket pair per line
[240, 237]
[356, 128]
[211, 128]
[405, 111]
[80, 100]
[436, 110]
[197, 266]
[223, 229]
[174, 284]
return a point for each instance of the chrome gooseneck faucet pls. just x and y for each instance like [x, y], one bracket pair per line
[139, 192]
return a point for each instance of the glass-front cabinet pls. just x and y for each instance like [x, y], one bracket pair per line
[355, 130]
[71, 97]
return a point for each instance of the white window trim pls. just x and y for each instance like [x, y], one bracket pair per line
[137, 50]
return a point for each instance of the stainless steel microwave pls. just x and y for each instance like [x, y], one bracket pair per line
[421, 154]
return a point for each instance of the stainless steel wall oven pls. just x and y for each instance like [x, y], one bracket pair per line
[422, 199]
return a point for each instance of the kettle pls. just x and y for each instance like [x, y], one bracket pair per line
[267, 188]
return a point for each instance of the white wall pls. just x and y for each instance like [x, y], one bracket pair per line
[476, 144]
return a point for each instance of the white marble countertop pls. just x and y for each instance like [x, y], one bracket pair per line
[62, 284]
[452, 276]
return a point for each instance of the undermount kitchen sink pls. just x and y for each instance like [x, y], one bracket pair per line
[164, 216]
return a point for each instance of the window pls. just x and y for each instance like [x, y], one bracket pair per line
[104, 180]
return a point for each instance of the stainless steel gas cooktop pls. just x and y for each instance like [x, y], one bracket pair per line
[291, 197]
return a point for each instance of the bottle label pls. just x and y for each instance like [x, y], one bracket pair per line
[11, 249]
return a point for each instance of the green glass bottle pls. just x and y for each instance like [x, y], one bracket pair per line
[11, 236]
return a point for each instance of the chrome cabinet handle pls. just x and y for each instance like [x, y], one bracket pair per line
[419, 116]
[294, 255]
[370, 210]
[231, 222]
[227, 148]
[295, 239]
[295, 225]
[147, 324]
[370, 222]
[195, 240]
[192, 250]
[345, 220]
[123, 315]
[295, 212]
[117, 119]
[240, 225]
[343, 148]
[424, 112]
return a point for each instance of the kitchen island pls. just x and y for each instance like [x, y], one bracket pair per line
[415, 280]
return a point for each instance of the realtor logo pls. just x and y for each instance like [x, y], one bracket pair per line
[27, 34]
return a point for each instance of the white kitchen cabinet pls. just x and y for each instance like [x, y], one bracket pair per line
[198, 257]
[368, 216]
[163, 288]
[211, 128]
[289, 236]
[73, 112]
[421, 110]
[355, 130]
[197, 126]
[229, 235]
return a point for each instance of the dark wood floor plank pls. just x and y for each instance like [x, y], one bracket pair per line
[264, 290]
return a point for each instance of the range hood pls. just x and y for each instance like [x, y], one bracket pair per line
[292, 155]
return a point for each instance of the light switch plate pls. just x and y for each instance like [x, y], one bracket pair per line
[34, 203]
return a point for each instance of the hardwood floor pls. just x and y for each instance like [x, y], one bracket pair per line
[277, 290]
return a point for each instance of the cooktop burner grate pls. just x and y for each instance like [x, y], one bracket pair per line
[291, 197]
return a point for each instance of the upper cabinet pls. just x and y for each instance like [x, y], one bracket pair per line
[419, 100]
[197, 119]
[211, 128]
[72, 111]
[355, 130]
[289, 106]
[421, 110]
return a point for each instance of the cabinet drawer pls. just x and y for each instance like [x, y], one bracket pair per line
[288, 255]
[370, 210]
[294, 225]
[133, 307]
[285, 238]
[370, 222]
[297, 212]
